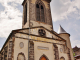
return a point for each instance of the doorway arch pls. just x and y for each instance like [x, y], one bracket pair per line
[21, 56]
[43, 57]
[62, 58]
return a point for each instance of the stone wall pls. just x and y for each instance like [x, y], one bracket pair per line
[31, 51]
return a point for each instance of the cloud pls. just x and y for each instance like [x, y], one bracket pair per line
[75, 43]
[6, 1]
[2, 8]
[10, 17]
[61, 9]
[71, 26]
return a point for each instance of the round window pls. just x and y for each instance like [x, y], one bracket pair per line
[42, 32]
[21, 44]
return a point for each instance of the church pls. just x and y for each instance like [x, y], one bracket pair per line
[37, 39]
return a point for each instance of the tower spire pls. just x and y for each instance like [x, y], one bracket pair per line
[61, 30]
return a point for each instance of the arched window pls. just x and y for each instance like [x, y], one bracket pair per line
[40, 11]
[21, 56]
[62, 58]
[42, 14]
[43, 57]
[37, 12]
[25, 14]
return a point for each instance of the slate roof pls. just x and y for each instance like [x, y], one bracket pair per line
[61, 30]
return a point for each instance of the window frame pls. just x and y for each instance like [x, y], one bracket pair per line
[41, 3]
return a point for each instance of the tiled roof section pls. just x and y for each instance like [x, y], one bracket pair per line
[77, 56]
[76, 49]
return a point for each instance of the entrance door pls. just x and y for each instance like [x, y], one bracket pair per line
[43, 58]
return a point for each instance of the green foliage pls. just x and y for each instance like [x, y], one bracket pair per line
[73, 53]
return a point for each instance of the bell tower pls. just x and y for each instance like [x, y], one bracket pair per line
[37, 13]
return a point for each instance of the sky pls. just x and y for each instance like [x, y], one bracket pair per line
[64, 12]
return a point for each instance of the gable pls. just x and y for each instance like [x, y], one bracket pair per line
[35, 31]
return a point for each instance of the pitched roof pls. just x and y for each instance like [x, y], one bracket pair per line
[61, 30]
[15, 31]
[76, 49]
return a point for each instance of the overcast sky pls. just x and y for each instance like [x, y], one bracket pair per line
[64, 12]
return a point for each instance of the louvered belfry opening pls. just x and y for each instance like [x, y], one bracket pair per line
[40, 11]
[25, 14]
[37, 12]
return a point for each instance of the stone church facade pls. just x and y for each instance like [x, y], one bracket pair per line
[37, 40]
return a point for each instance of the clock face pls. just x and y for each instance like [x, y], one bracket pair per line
[21, 44]
[42, 32]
